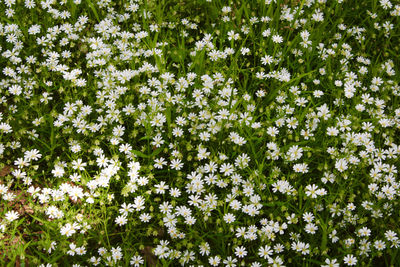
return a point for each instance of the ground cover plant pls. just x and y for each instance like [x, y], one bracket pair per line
[199, 132]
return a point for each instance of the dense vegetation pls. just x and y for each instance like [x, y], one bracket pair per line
[199, 132]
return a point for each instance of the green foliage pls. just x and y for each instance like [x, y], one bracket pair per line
[202, 132]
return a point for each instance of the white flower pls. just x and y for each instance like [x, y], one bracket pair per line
[176, 164]
[311, 228]
[332, 131]
[11, 215]
[67, 230]
[379, 245]
[294, 153]
[72, 249]
[161, 187]
[116, 253]
[229, 218]
[308, 217]
[245, 51]
[311, 190]
[341, 165]
[364, 232]
[350, 260]
[214, 261]
[58, 171]
[81, 250]
[126, 209]
[136, 261]
[174, 192]
[121, 220]
[277, 39]
[331, 263]
[32, 155]
[145, 217]
[240, 252]
[265, 252]
[34, 29]
[78, 164]
[300, 167]
[267, 59]
[227, 169]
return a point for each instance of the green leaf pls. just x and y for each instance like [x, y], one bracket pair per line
[145, 138]
[168, 114]
[140, 154]
[93, 8]
[157, 151]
